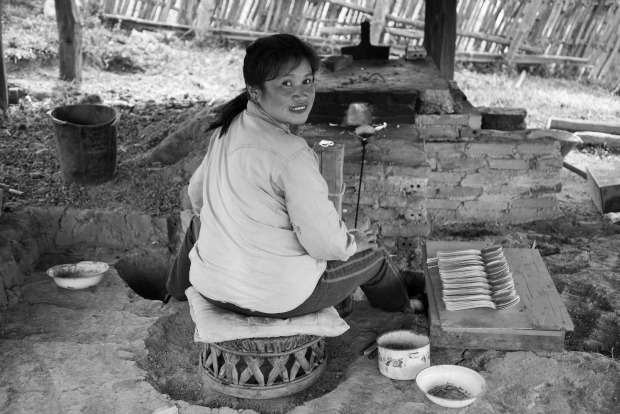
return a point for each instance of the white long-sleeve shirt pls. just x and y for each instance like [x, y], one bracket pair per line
[267, 225]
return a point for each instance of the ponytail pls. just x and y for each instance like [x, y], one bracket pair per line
[229, 111]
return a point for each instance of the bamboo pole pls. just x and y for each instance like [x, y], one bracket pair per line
[377, 22]
[529, 14]
[267, 24]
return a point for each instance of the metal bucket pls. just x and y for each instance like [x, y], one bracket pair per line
[403, 354]
[86, 142]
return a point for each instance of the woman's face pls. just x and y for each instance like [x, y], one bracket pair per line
[289, 97]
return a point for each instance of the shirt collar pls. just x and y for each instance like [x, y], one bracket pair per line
[258, 112]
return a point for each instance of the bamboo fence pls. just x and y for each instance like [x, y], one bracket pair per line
[561, 33]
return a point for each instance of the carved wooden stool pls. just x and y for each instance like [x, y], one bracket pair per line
[261, 368]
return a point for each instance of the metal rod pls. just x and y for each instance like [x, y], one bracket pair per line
[359, 189]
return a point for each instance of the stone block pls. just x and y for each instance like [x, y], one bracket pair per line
[10, 271]
[432, 162]
[541, 147]
[414, 214]
[537, 202]
[468, 134]
[498, 205]
[464, 164]
[456, 148]
[421, 229]
[440, 217]
[442, 119]
[353, 169]
[435, 101]
[459, 193]
[537, 190]
[365, 199]
[509, 164]
[479, 216]
[410, 172]
[490, 149]
[442, 204]
[439, 133]
[488, 178]
[398, 201]
[503, 119]
[444, 178]
[549, 163]
[527, 215]
[409, 186]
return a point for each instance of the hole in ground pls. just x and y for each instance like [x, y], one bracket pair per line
[145, 273]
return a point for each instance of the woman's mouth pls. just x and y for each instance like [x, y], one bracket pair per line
[299, 108]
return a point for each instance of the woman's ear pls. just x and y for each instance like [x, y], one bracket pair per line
[253, 93]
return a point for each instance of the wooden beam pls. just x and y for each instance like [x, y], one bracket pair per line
[440, 34]
[69, 39]
[4, 92]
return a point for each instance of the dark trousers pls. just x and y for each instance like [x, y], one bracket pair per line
[373, 271]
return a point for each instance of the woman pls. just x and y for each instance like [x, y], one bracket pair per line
[271, 242]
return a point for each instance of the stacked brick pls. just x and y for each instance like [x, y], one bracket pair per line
[501, 176]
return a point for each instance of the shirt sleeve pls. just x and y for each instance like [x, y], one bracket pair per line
[194, 189]
[313, 216]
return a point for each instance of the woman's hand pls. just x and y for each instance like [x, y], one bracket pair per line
[364, 239]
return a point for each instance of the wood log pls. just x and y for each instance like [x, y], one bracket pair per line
[599, 138]
[69, 39]
[568, 124]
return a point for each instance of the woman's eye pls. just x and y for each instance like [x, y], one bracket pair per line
[287, 83]
[308, 81]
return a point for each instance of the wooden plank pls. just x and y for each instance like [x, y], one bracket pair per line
[538, 322]
[599, 138]
[537, 291]
[440, 35]
[571, 124]
[604, 187]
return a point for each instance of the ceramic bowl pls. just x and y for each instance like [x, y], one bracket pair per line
[467, 380]
[79, 275]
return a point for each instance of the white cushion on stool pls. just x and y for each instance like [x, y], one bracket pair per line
[215, 324]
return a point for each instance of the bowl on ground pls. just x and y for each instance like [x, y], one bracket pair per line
[79, 275]
[451, 386]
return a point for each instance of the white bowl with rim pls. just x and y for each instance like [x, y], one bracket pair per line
[79, 275]
[466, 380]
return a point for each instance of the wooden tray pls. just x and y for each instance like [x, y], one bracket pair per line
[538, 322]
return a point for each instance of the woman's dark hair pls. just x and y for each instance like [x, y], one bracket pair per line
[265, 59]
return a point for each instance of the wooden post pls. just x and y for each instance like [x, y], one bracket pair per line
[377, 22]
[4, 93]
[440, 34]
[530, 10]
[203, 18]
[69, 39]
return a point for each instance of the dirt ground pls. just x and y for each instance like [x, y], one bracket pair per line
[580, 249]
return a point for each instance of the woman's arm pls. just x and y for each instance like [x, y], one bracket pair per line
[313, 216]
